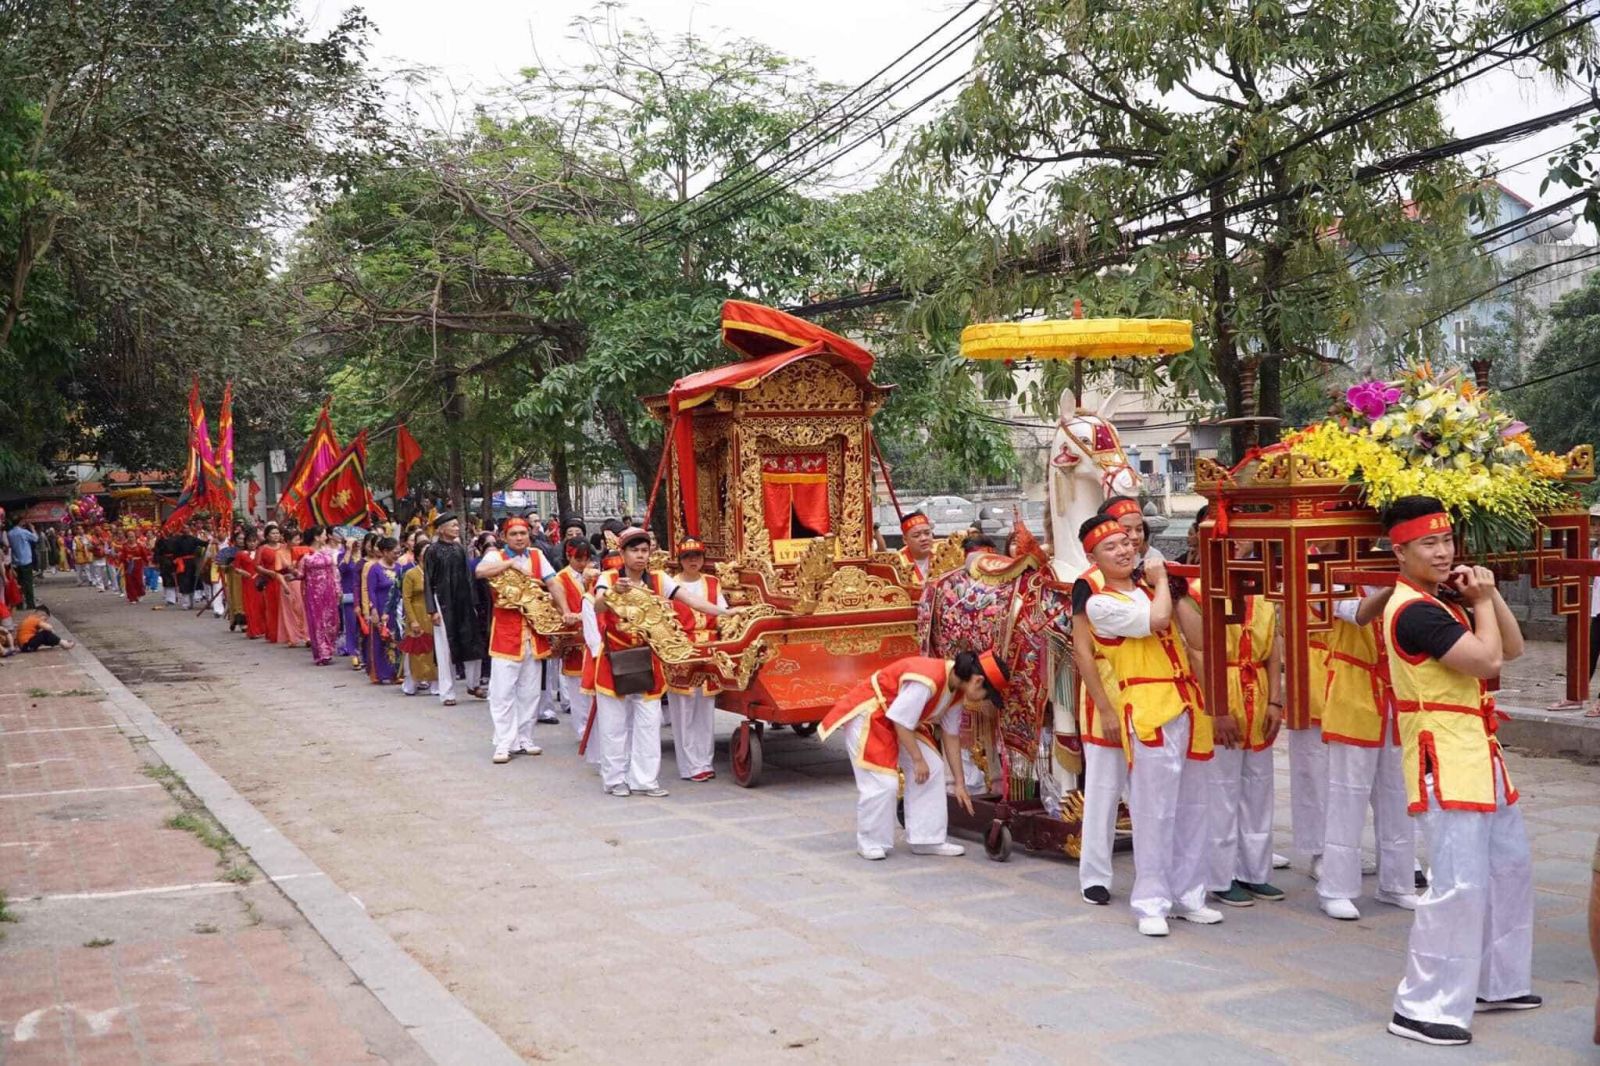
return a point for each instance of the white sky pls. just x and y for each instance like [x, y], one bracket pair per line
[476, 45]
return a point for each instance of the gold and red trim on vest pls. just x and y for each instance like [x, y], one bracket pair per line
[1422, 753]
[877, 747]
[613, 639]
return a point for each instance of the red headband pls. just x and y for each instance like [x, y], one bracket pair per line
[1123, 507]
[513, 523]
[914, 521]
[992, 671]
[613, 562]
[1108, 527]
[1422, 526]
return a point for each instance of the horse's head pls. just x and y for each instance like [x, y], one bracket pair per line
[1086, 447]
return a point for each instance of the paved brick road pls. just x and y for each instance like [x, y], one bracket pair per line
[128, 945]
[724, 925]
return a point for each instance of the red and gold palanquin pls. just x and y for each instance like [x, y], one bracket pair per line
[768, 463]
[1313, 541]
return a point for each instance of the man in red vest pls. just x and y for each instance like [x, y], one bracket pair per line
[518, 652]
[888, 721]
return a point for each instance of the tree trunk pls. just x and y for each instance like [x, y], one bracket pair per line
[486, 473]
[641, 462]
[560, 475]
[454, 415]
[1224, 351]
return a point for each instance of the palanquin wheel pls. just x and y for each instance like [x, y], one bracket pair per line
[744, 752]
[997, 841]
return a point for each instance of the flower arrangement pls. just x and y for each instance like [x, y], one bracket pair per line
[1437, 435]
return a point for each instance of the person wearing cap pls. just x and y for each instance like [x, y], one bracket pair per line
[888, 720]
[1165, 731]
[694, 709]
[518, 653]
[448, 596]
[629, 725]
[917, 530]
[1447, 632]
[578, 578]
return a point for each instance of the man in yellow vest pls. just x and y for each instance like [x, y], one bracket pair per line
[1242, 792]
[1447, 632]
[1165, 729]
[1363, 737]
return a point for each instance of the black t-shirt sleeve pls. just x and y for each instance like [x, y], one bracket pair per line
[1080, 596]
[1427, 629]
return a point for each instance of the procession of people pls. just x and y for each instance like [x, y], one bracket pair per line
[1404, 716]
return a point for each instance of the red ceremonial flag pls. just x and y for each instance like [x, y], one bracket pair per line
[321, 451]
[406, 453]
[255, 495]
[342, 495]
[225, 437]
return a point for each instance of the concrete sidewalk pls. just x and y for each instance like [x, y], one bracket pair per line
[137, 930]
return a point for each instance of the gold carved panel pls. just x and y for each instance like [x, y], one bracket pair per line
[806, 385]
[843, 437]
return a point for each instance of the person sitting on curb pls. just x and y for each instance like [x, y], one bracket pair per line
[34, 632]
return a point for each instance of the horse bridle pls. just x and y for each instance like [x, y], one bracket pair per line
[1111, 461]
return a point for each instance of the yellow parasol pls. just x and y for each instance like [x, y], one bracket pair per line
[1078, 338]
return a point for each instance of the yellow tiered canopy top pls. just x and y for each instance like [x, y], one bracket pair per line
[1078, 338]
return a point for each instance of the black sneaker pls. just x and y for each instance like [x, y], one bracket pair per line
[1099, 895]
[1429, 1032]
[1528, 1002]
[1419, 879]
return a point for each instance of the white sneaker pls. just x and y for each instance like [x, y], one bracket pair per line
[1199, 916]
[1280, 862]
[502, 756]
[1406, 901]
[873, 853]
[1155, 925]
[654, 790]
[1342, 909]
[620, 790]
[548, 718]
[530, 749]
[946, 848]
[1368, 866]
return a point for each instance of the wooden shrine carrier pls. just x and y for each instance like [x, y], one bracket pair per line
[1315, 541]
[768, 462]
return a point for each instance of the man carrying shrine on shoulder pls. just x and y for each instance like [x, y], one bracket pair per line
[517, 651]
[694, 709]
[1447, 632]
[888, 720]
[628, 704]
[1166, 730]
[917, 530]
[1242, 790]
[1360, 728]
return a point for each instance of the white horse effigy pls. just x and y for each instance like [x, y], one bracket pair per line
[1021, 607]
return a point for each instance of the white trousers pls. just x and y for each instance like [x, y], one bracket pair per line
[1105, 779]
[1242, 796]
[1167, 793]
[513, 688]
[82, 570]
[1472, 934]
[693, 742]
[170, 594]
[447, 669]
[582, 706]
[927, 809]
[629, 732]
[1308, 789]
[1359, 778]
[219, 604]
[99, 575]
